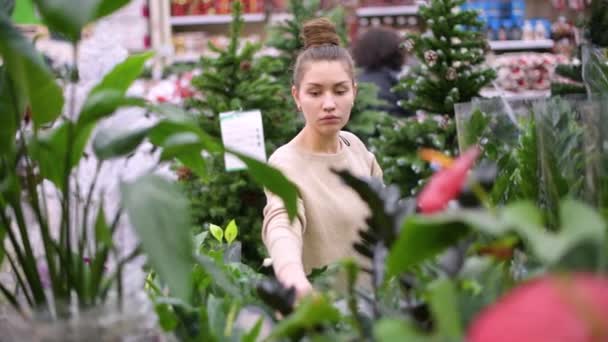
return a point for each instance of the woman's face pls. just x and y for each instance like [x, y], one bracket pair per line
[325, 96]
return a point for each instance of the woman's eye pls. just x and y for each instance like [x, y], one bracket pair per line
[314, 93]
[340, 92]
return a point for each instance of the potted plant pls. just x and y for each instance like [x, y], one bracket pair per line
[72, 287]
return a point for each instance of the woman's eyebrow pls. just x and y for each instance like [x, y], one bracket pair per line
[312, 84]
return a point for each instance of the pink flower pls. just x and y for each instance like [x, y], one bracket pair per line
[567, 308]
[446, 184]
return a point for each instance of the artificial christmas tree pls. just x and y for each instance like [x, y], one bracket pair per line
[451, 54]
[237, 80]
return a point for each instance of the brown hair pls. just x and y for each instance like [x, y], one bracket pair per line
[321, 43]
[379, 47]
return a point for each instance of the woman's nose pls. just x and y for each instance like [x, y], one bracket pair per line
[329, 103]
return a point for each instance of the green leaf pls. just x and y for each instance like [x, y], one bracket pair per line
[579, 224]
[217, 315]
[104, 102]
[9, 113]
[49, 150]
[167, 319]
[35, 84]
[218, 276]
[198, 241]
[216, 231]
[253, 334]
[273, 180]
[195, 162]
[123, 74]
[181, 143]
[63, 16]
[421, 239]
[231, 232]
[312, 312]
[159, 212]
[102, 231]
[444, 305]
[175, 120]
[2, 236]
[118, 140]
[389, 330]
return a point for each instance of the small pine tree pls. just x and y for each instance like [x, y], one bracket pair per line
[574, 76]
[236, 80]
[450, 54]
[285, 37]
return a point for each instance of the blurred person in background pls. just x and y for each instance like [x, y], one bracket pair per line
[380, 56]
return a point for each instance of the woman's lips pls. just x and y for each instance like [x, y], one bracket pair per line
[330, 119]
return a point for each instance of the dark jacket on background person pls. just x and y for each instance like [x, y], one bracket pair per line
[385, 79]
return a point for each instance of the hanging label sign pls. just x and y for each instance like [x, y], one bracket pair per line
[242, 132]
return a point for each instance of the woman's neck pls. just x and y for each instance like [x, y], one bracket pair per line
[314, 142]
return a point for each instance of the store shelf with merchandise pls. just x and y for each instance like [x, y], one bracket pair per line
[521, 45]
[225, 19]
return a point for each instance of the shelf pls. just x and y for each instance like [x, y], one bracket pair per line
[387, 11]
[218, 19]
[511, 95]
[507, 45]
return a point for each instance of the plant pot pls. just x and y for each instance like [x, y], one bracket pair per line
[135, 322]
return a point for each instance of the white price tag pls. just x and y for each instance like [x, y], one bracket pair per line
[242, 132]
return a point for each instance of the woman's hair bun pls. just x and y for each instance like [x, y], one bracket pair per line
[320, 31]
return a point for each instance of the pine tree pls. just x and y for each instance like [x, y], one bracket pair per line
[236, 80]
[450, 54]
[285, 37]
[574, 76]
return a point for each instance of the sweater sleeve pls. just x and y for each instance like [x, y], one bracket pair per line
[282, 238]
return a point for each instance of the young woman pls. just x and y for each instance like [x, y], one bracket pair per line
[329, 213]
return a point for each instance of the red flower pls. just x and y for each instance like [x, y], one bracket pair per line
[571, 308]
[446, 184]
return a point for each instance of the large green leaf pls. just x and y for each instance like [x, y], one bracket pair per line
[35, 84]
[49, 151]
[9, 114]
[312, 312]
[2, 236]
[389, 330]
[117, 140]
[444, 305]
[273, 180]
[68, 18]
[176, 121]
[579, 224]
[159, 212]
[123, 74]
[422, 238]
[181, 143]
[104, 102]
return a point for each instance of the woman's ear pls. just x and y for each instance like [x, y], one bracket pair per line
[294, 94]
[355, 88]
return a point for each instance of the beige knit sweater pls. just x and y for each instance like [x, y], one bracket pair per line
[330, 214]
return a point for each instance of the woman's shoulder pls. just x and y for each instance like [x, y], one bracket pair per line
[284, 155]
[351, 140]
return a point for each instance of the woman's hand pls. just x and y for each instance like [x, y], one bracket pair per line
[293, 276]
